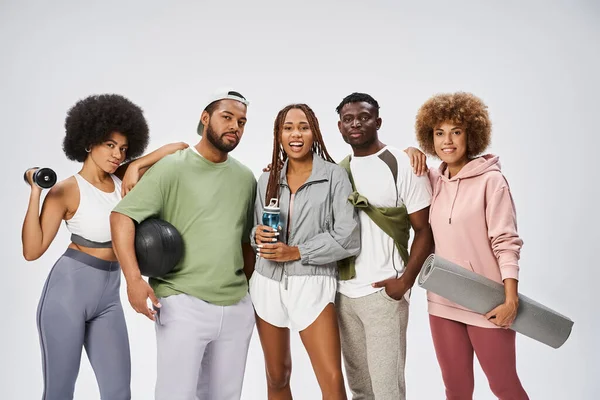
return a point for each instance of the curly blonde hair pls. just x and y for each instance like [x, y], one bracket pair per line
[460, 108]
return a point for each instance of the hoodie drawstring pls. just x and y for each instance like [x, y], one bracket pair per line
[453, 201]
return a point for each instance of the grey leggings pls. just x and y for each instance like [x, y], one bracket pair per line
[81, 307]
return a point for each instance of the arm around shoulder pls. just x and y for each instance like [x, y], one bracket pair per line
[131, 173]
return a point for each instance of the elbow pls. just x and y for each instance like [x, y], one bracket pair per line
[30, 256]
[354, 248]
[353, 252]
[353, 242]
[507, 250]
[32, 251]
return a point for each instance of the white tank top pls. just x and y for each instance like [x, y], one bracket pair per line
[92, 218]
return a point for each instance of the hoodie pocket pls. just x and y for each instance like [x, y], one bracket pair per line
[434, 298]
[466, 264]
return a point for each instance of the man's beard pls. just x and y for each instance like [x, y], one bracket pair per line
[218, 141]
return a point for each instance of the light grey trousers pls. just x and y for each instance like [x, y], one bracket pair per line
[373, 337]
[81, 307]
[201, 348]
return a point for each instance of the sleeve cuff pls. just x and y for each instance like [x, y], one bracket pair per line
[138, 219]
[304, 258]
[509, 266]
[418, 207]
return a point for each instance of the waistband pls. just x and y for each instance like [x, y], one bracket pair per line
[80, 240]
[276, 271]
[92, 261]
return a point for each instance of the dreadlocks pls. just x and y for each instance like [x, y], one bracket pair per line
[279, 156]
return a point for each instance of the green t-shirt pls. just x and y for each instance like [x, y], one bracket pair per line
[211, 205]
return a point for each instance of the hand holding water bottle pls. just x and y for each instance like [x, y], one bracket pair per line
[266, 234]
[266, 237]
[278, 252]
[269, 230]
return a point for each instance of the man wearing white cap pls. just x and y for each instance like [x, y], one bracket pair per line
[203, 315]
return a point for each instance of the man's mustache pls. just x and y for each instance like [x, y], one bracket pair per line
[230, 133]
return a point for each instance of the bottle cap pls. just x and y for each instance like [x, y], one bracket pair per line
[273, 206]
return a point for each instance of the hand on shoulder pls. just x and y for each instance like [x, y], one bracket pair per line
[418, 160]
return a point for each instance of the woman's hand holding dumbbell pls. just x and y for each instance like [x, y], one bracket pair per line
[41, 178]
[29, 179]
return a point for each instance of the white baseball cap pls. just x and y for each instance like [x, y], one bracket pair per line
[221, 94]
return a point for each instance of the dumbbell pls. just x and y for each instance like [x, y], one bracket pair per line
[45, 178]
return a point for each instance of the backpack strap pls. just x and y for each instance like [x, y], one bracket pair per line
[386, 156]
[390, 160]
[346, 266]
[345, 163]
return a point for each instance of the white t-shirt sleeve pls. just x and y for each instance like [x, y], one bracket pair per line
[414, 191]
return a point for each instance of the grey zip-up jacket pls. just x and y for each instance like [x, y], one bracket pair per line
[325, 226]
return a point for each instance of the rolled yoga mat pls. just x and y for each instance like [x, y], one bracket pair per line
[481, 295]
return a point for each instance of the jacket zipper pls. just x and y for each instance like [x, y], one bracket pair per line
[289, 231]
[285, 274]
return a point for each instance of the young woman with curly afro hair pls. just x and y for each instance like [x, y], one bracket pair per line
[80, 304]
[474, 225]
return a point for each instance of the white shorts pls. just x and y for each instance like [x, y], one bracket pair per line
[296, 307]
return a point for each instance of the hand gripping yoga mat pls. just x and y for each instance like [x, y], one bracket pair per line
[480, 294]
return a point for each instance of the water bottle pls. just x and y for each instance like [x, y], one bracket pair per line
[271, 214]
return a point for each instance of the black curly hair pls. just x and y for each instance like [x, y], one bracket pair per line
[358, 98]
[92, 120]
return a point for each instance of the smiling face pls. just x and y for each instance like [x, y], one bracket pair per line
[450, 143]
[109, 154]
[296, 135]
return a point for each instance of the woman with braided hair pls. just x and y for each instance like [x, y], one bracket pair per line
[80, 305]
[295, 279]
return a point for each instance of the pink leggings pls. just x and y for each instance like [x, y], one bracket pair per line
[495, 348]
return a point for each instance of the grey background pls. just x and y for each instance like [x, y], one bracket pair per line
[535, 64]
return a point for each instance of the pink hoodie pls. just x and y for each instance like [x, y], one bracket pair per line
[474, 225]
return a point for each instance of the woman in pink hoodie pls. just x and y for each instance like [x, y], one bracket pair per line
[474, 225]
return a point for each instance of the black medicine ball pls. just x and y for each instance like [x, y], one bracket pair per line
[158, 247]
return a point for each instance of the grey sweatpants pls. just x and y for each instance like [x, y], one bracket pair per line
[80, 307]
[202, 348]
[373, 337]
